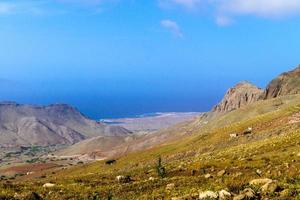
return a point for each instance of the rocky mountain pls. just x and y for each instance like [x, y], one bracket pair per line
[242, 94]
[48, 125]
[285, 84]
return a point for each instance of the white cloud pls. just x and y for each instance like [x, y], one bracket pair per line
[223, 20]
[6, 7]
[264, 8]
[225, 11]
[48, 6]
[20, 7]
[172, 26]
[85, 2]
[186, 4]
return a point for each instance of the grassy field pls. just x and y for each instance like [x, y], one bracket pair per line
[205, 159]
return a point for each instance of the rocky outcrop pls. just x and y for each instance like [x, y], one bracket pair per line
[285, 84]
[242, 94]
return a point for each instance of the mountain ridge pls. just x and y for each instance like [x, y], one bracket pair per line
[284, 84]
[22, 124]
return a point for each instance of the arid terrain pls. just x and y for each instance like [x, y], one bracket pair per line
[152, 122]
[246, 147]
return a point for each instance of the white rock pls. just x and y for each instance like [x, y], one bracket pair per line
[207, 176]
[258, 171]
[170, 186]
[208, 194]
[119, 178]
[270, 187]
[261, 181]
[48, 185]
[223, 194]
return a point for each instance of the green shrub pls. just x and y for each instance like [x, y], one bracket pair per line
[33, 196]
[161, 170]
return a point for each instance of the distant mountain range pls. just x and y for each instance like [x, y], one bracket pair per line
[62, 124]
[48, 125]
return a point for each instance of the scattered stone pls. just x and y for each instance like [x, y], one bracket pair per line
[234, 135]
[249, 193]
[260, 181]
[238, 174]
[279, 173]
[270, 187]
[186, 197]
[221, 173]
[287, 165]
[223, 194]
[170, 186]
[177, 198]
[240, 197]
[208, 195]
[246, 194]
[286, 193]
[207, 176]
[151, 179]
[258, 172]
[48, 185]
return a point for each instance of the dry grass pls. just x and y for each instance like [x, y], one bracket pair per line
[272, 148]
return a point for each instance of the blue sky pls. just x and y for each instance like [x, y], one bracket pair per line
[114, 58]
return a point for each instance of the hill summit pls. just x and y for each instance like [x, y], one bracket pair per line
[243, 93]
[285, 84]
[48, 125]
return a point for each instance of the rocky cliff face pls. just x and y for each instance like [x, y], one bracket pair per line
[48, 125]
[241, 94]
[285, 84]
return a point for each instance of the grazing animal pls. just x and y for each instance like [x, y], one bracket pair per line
[110, 162]
[123, 179]
[248, 131]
